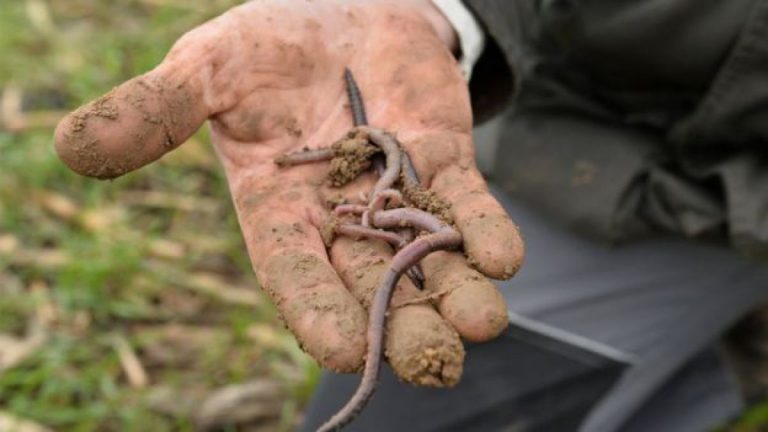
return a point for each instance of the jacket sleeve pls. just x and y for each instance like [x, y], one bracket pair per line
[506, 24]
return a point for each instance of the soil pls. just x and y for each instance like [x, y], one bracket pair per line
[102, 107]
[427, 351]
[428, 201]
[84, 142]
[128, 127]
[328, 231]
[352, 156]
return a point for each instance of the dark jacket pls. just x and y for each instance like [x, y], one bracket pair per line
[632, 117]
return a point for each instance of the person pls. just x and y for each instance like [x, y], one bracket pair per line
[631, 157]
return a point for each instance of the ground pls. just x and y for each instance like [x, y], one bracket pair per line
[130, 304]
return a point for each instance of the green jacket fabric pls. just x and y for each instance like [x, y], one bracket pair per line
[632, 117]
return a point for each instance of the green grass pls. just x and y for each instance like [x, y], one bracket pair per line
[138, 259]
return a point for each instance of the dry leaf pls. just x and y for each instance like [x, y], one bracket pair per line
[11, 423]
[167, 249]
[8, 244]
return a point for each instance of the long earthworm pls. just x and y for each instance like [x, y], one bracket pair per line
[442, 236]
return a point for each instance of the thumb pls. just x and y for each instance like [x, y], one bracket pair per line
[142, 119]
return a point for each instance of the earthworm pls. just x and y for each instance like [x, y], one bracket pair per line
[387, 195]
[391, 148]
[345, 209]
[327, 153]
[410, 176]
[355, 99]
[305, 156]
[392, 152]
[411, 180]
[442, 236]
[359, 118]
[354, 230]
[378, 202]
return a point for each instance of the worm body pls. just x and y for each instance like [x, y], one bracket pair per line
[355, 99]
[305, 156]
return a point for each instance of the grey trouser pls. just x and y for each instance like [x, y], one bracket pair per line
[665, 301]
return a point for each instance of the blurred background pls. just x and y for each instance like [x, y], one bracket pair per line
[130, 304]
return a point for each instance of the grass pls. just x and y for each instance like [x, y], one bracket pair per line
[149, 267]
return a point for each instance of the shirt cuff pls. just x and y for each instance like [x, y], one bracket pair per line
[471, 36]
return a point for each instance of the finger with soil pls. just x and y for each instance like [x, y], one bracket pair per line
[464, 297]
[492, 241]
[291, 264]
[431, 354]
[131, 126]
[414, 348]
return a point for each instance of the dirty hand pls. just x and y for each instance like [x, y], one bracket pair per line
[269, 77]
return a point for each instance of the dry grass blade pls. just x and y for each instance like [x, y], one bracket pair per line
[255, 401]
[14, 351]
[10, 423]
[210, 285]
[169, 200]
[134, 370]
[47, 258]
[8, 244]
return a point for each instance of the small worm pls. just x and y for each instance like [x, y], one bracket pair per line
[354, 230]
[353, 209]
[305, 156]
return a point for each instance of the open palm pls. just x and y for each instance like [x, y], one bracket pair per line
[268, 76]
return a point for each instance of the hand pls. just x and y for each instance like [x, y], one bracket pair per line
[268, 76]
